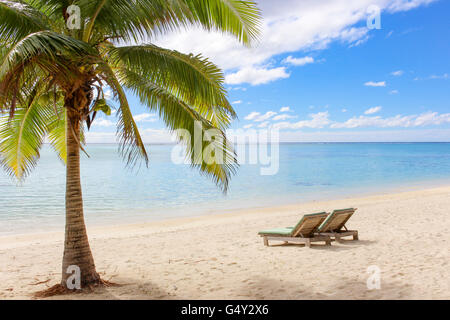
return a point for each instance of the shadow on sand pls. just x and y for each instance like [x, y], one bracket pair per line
[341, 246]
[125, 289]
[343, 289]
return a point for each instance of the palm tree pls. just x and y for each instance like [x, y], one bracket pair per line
[53, 72]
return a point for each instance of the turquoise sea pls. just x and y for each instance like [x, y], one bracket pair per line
[307, 171]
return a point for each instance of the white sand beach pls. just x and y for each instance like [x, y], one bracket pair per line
[407, 235]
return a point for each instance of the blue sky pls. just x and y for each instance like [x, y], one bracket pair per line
[319, 74]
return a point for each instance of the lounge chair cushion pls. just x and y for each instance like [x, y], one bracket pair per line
[289, 231]
[280, 231]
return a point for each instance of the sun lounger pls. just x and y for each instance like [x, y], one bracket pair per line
[303, 232]
[334, 225]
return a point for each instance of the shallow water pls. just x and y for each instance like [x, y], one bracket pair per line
[114, 194]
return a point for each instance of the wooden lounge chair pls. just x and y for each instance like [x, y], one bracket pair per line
[334, 225]
[303, 232]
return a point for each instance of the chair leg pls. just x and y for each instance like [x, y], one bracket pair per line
[308, 243]
[266, 242]
[338, 239]
[328, 242]
[355, 236]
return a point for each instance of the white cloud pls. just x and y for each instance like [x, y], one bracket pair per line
[397, 73]
[344, 110]
[283, 117]
[359, 42]
[431, 118]
[285, 109]
[318, 120]
[103, 123]
[393, 92]
[157, 136]
[375, 84]
[238, 88]
[322, 119]
[355, 36]
[404, 5]
[147, 135]
[288, 26]
[373, 110]
[145, 117]
[266, 116]
[400, 135]
[252, 116]
[434, 77]
[256, 76]
[108, 94]
[258, 117]
[269, 115]
[443, 76]
[264, 124]
[100, 137]
[425, 119]
[298, 61]
[364, 121]
[237, 102]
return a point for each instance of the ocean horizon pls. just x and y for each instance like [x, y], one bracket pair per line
[115, 194]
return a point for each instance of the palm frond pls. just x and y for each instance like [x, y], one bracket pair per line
[191, 78]
[131, 145]
[18, 19]
[38, 50]
[55, 11]
[45, 48]
[57, 135]
[90, 26]
[143, 19]
[179, 115]
[239, 18]
[22, 137]
[35, 58]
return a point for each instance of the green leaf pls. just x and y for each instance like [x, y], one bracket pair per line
[177, 114]
[22, 137]
[100, 105]
[18, 20]
[57, 135]
[38, 50]
[131, 145]
[193, 79]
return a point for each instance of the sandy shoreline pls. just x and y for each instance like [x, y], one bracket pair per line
[221, 257]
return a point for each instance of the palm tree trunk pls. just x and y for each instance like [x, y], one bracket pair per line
[77, 252]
